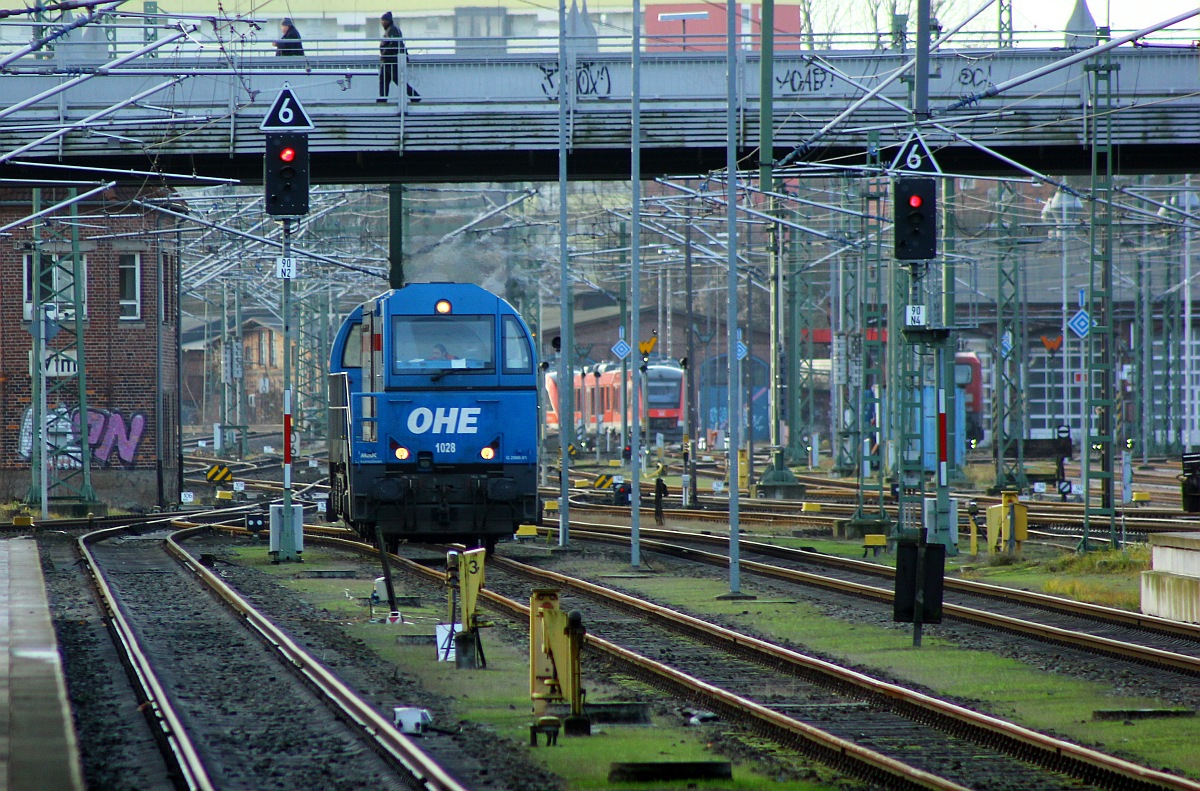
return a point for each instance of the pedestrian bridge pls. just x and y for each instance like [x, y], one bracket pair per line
[497, 118]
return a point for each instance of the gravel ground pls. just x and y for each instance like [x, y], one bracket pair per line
[316, 627]
[116, 747]
[474, 754]
[119, 752]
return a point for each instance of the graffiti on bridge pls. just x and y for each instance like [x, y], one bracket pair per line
[591, 79]
[809, 79]
[112, 436]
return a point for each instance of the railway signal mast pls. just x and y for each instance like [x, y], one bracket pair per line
[921, 546]
[285, 182]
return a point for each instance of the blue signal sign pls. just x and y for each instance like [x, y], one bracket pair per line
[1080, 323]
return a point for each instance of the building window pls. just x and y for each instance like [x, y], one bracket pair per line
[262, 347]
[481, 30]
[272, 349]
[129, 285]
[58, 280]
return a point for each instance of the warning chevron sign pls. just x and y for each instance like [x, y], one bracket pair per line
[218, 473]
[603, 481]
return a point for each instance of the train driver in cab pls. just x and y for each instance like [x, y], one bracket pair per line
[440, 353]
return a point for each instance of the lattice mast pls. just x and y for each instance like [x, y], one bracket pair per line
[1100, 419]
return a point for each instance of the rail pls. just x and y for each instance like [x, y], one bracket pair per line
[1057, 755]
[170, 730]
[1104, 770]
[1103, 645]
[375, 727]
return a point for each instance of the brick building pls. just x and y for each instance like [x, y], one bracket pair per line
[126, 257]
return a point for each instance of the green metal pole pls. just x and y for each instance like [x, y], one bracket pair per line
[396, 218]
[949, 319]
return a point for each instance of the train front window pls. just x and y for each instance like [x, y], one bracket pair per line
[664, 393]
[421, 344]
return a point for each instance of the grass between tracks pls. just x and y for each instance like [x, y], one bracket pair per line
[498, 696]
[1108, 577]
[1038, 698]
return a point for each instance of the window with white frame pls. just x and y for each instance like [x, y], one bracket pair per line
[129, 285]
[58, 280]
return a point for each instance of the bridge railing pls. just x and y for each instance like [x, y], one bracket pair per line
[97, 43]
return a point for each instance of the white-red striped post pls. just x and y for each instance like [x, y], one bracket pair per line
[287, 546]
[287, 446]
[943, 456]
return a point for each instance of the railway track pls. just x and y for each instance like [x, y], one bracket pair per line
[1103, 631]
[197, 662]
[1135, 523]
[862, 726]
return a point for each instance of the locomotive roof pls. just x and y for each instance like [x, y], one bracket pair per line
[465, 298]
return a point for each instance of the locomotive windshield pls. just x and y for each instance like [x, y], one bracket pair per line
[434, 343]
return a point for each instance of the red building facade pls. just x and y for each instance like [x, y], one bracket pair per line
[129, 415]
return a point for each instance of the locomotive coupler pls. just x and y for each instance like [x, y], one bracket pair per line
[441, 511]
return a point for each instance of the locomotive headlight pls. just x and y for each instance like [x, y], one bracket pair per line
[488, 453]
[442, 307]
[402, 453]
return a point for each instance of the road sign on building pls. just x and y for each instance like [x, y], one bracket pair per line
[62, 362]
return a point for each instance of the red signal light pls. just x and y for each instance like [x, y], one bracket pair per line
[915, 201]
[287, 154]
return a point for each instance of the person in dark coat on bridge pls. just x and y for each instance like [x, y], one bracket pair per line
[391, 46]
[289, 40]
[660, 491]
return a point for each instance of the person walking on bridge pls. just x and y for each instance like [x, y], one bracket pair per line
[391, 46]
[289, 39]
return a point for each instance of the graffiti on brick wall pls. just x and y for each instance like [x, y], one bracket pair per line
[112, 436]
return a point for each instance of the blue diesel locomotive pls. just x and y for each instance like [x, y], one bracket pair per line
[433, 417]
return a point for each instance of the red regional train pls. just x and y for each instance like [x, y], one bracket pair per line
[968, 377]
[599, 397]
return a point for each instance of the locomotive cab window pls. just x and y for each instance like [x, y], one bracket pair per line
[352, 353]
[423, 344]
[518, 357]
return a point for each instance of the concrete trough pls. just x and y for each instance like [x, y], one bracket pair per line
[1171, 589]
